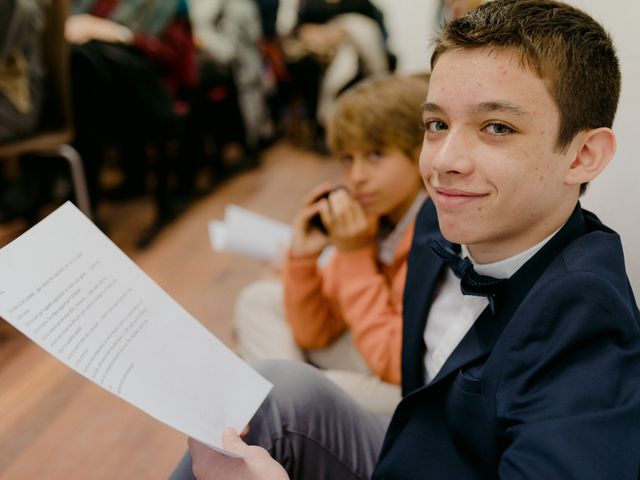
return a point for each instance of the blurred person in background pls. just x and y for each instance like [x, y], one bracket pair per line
[131, 61]
[22, 76]
[230, 102]
[346, 316]
[21, 68]
[328, 45]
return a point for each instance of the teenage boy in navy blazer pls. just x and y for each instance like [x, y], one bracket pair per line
[521, 342]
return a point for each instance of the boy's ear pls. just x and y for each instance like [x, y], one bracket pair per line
[595, 148]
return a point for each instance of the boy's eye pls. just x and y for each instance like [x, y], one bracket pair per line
[498, 129]
[434, 126]
[374, 155]
[346, 160]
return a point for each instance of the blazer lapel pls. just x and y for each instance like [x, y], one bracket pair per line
[478, 342]
[424, 267]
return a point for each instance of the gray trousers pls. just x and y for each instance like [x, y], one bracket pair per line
[311, 427]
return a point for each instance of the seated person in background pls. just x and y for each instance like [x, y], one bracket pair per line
[521, 357]
[346, 317]
[230, 75]
[22, 76]
[328, 46]
[21, 69]
[130, 60]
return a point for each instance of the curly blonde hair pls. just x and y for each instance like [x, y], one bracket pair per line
[377, 114]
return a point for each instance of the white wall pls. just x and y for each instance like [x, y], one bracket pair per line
[410, 25]
[615, 195]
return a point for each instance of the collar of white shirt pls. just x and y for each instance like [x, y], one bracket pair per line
[452, 314]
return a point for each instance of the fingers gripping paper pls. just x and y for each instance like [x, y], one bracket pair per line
[68, 288]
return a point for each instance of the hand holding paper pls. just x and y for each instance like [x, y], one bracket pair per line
[66, 286]
[255, 464]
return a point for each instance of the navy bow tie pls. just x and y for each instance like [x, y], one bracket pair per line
[471, 282]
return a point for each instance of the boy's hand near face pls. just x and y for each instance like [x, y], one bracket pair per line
[308, 241]
[349, 226]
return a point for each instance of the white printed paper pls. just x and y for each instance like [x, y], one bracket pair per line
[67, 287]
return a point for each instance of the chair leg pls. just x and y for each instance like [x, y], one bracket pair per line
[77, 176]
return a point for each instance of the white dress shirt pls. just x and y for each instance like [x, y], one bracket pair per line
[452, 314]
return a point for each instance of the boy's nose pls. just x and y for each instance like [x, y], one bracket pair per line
[358, 172]
[452, 155]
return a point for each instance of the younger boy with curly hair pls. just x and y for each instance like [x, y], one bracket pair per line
[346, 317]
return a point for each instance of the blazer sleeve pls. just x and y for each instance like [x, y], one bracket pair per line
[570, 392]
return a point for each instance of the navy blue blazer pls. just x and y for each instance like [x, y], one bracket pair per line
[548, 387]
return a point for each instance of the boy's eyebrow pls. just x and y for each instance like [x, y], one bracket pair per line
[483, 107]
[431, 107]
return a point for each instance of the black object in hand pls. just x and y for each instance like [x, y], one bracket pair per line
[316, 220]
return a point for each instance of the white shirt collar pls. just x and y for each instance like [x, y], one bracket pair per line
[452, 314]
[387, 246]
[507, 267]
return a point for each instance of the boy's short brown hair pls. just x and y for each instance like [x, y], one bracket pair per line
[378, 114]
[564, 46]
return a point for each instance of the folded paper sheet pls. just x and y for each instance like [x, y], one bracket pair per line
[248, 233]
[251, 234]
[66, 286]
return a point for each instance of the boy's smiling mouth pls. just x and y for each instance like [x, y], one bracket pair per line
[451, 197]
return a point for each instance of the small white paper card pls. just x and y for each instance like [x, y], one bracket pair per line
[251, 234]
[72, 291]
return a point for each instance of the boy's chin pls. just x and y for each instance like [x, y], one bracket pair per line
[456, 235]
[372, 211]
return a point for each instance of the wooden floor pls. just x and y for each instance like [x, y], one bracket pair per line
[54, 424]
